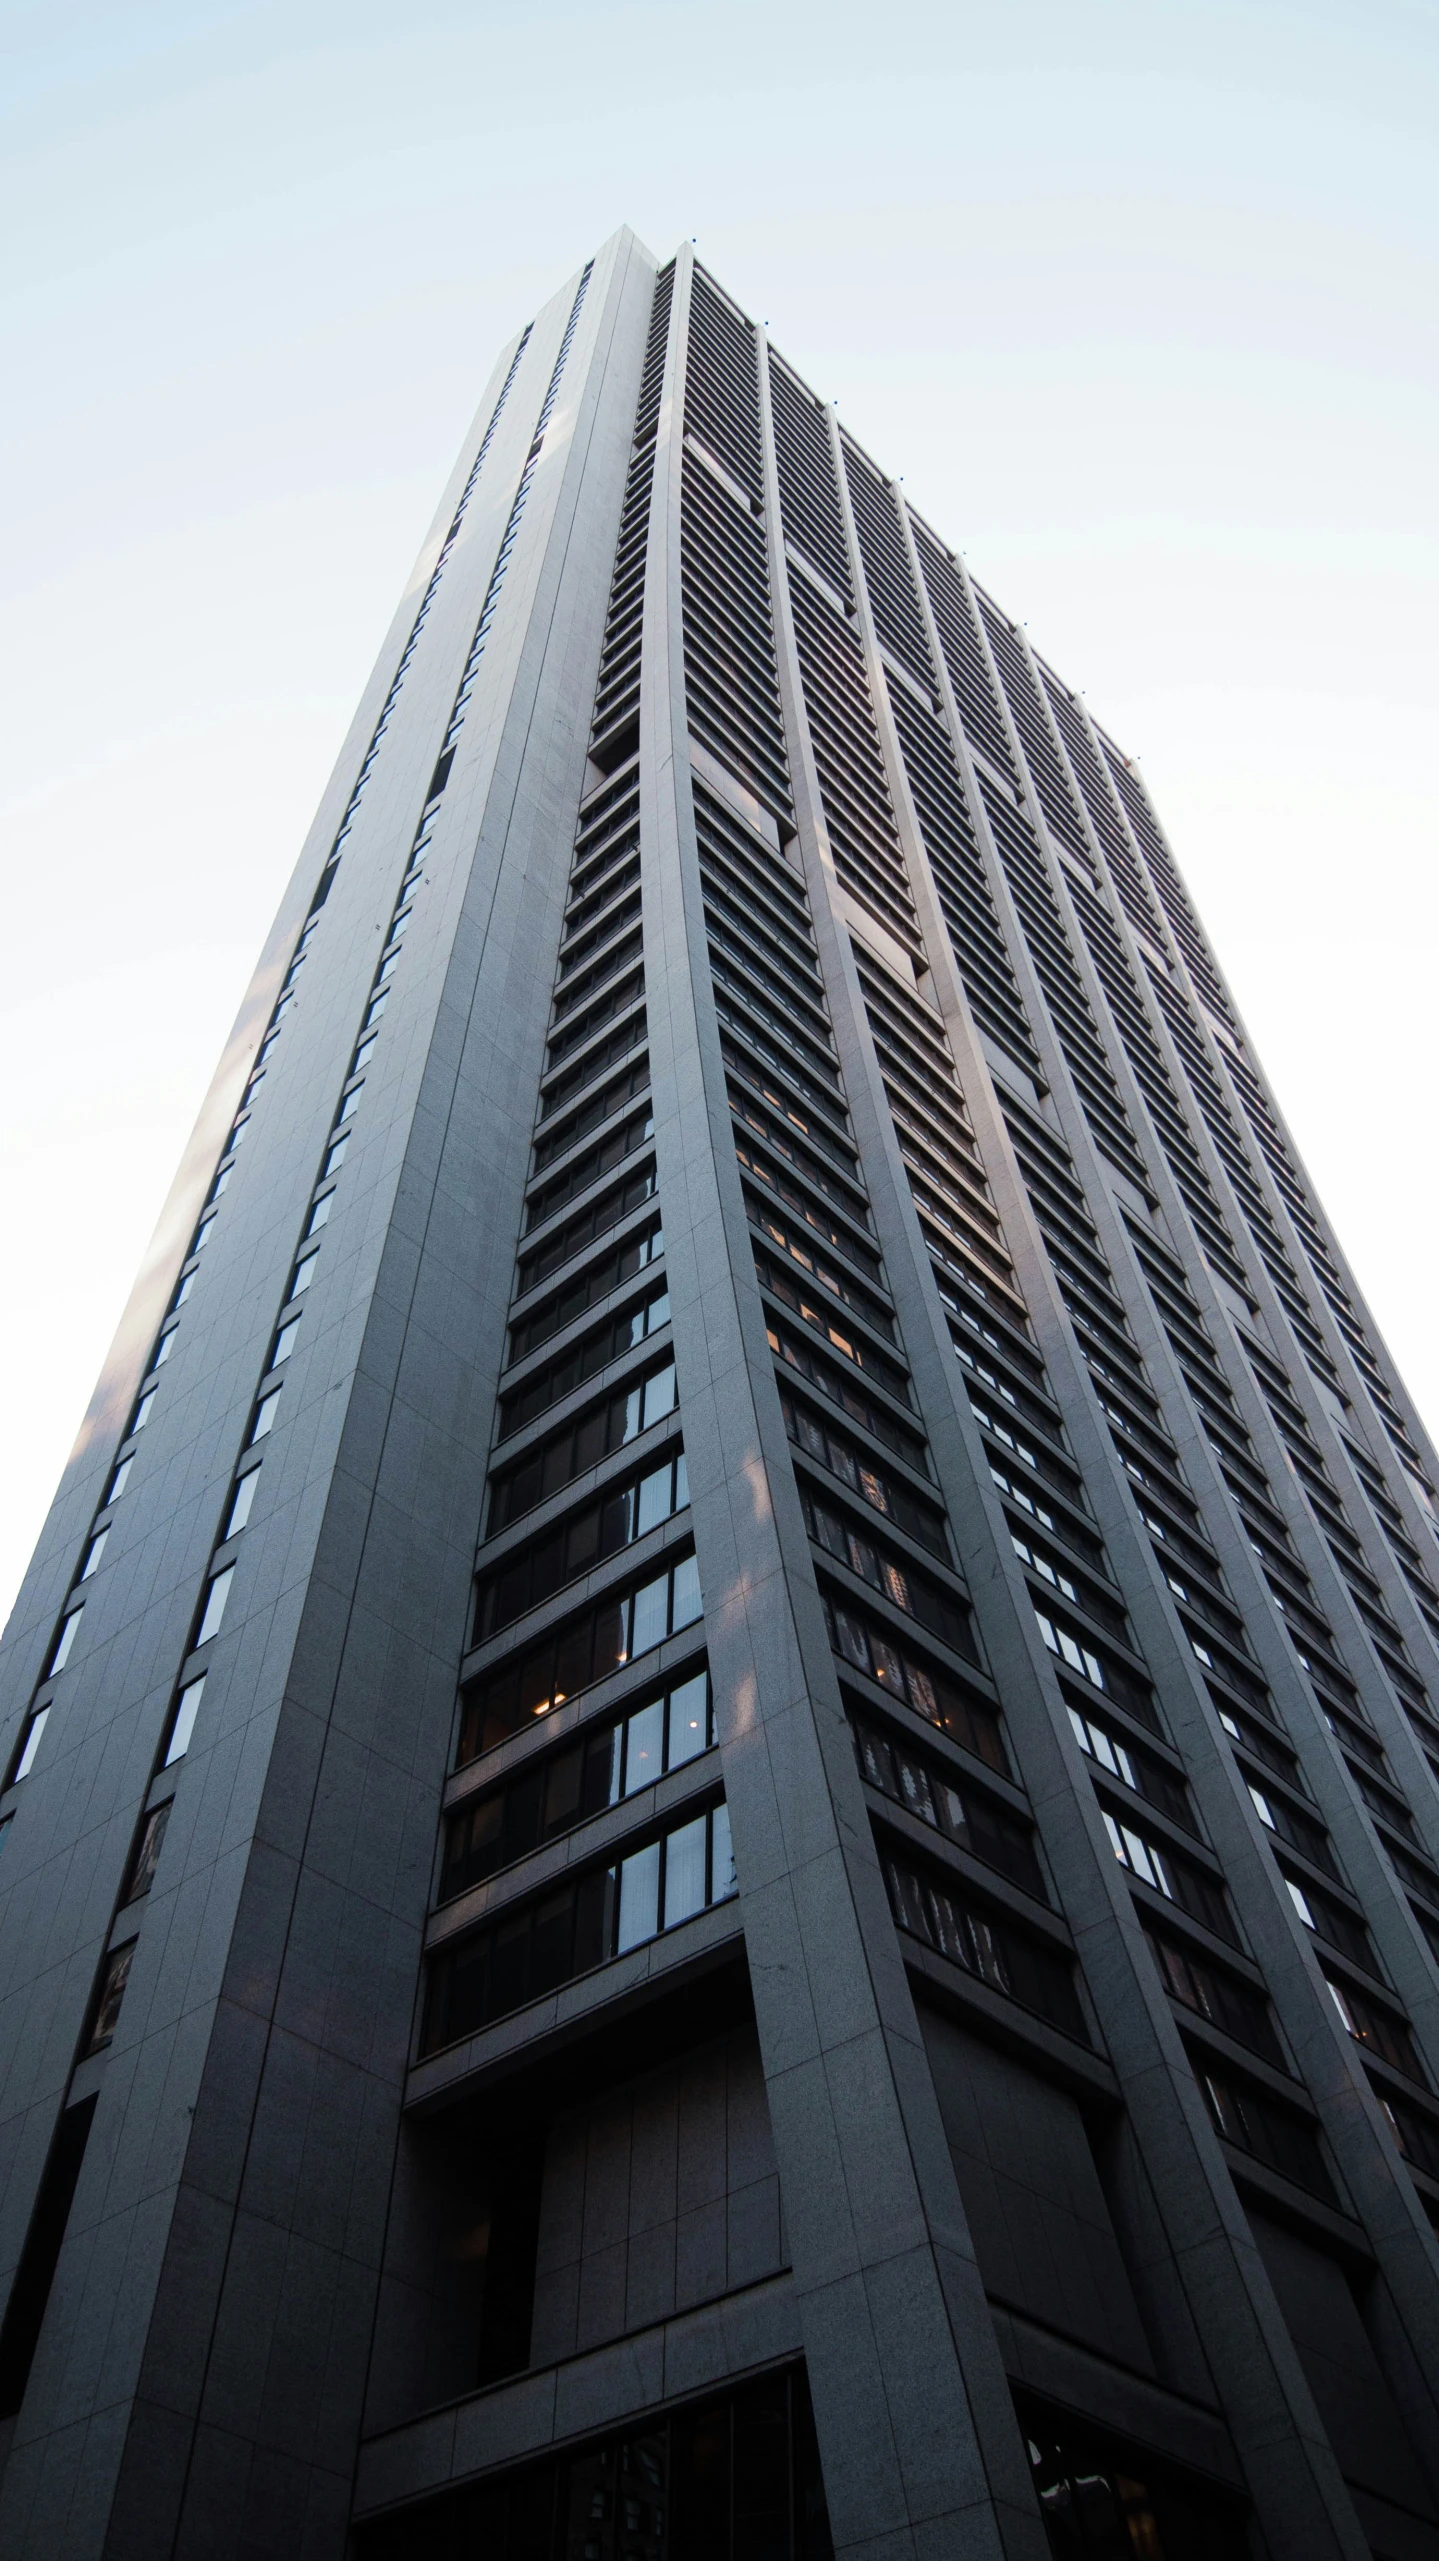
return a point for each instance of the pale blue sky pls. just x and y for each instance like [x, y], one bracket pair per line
[1137, 297]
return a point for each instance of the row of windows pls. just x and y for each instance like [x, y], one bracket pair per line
[182, 1720]
[619, 1334]
[585, 1228]
[863, 1475]
[181, 1723]
[584, 1649]
[909, 1591]
[599, 1529]
[597, 1160]
[783, 1283]
[427, 599]
[598, 1280]
[988, 1831]
[602, 1766]
[993, 1949]
[580, 1925]
[871, 1649]
[594, 1435]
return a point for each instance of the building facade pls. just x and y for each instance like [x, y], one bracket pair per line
[721, 1813]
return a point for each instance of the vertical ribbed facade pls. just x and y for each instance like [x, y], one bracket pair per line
[721, 1817]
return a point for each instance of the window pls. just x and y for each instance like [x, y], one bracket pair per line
[859, 1472]
[1262, 1807]
[319, 1215]
[584, 1228]
[204, 1231]
[65, 1641]
[1070, 1651]
[364, 1053]
[376, 1008]
[222, 1180]
[147, 1853]
[583, 1361]
[216, 1598]
[584, 1649]
[842, 1391]
[986, 1830]
[600, 1767]
[120, 1480]
[164, 1348]
[265, 1416]
[1104, 1748]
[1005, 1958]
[96, 1551]
[1179, 1880]
[304, 1274]
[1237, 2008]
[240, 1507]
[1274, 2134]
[566, 1932]
[587, 1440]
[29, 1746]
[1040, 1564]
[1134, 1852]
[186, 1711]
[929, 1692]
[112, 1992]
[284, 1342]
[183, 1292]
[909, 1591]
[1300, 1902]
[577, 1544]
[143, 1410]
[595, 1282]
[336, 1156]
[350, 1101]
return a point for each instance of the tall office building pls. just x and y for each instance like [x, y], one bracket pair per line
[720, 1832]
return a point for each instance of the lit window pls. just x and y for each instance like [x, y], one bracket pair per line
[184, 1726]
[216, 1598]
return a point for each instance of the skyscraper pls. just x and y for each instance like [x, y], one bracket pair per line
[720, 1834]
